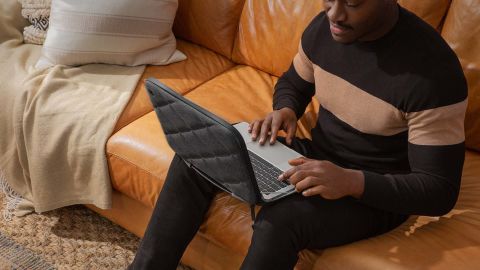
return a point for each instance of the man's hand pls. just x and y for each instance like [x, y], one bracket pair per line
[319, 177]
[284, 119]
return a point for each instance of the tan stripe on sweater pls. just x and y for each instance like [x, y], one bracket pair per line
[357, 108]
[438, 126]
[303, 66]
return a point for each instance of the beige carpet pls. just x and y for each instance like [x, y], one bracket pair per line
[69, 238]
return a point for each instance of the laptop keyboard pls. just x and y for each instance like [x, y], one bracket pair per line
[266, 174]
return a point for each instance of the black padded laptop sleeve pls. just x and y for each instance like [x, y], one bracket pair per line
[205, 142]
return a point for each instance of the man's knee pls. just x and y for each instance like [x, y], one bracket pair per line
[277, 227]
[181, 176]
[273, 218]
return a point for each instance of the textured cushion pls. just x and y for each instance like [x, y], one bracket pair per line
[37, 12]
[122, 32]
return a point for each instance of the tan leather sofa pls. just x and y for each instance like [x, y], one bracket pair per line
[236, 51]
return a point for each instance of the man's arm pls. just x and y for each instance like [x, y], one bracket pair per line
[296, 87]
[431, 189]
[436, 153]
[293, 92]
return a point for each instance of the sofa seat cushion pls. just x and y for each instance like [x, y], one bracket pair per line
[201, 65]
[138, 157]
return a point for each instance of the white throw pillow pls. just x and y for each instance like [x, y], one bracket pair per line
[122, 32]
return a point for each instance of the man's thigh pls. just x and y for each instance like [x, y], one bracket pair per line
[318, 223]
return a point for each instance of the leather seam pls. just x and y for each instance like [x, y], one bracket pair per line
[219, 74]
[134, 164]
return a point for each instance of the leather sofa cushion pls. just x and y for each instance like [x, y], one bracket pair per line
[201, 65]
[462, 32]
[270, 31]
[210, 23]
[138, 157]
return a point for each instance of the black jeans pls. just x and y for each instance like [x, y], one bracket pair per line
[280, 231]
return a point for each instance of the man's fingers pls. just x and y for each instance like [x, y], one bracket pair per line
[299, 164]
[297, 173]
[298, 161]
[316, 190]
[255, 129]
[306, 183]
[299, 176]
[291, 133]
[286, 174]
[274, 130]
[265, 129]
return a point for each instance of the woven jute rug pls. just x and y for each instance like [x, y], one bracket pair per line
[68, 238]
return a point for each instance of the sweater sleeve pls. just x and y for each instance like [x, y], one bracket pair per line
[296, 87]
[436, 153]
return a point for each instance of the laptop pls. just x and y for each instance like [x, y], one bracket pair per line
[222, 153]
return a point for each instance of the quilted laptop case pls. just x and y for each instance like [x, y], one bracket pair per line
[187, 125]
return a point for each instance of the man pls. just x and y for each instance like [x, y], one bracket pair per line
[388, 143]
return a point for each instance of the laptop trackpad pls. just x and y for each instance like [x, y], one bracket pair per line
[277, 154]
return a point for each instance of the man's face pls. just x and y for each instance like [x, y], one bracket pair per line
[352, 20]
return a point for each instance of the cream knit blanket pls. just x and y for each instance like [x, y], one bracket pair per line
[54, 124]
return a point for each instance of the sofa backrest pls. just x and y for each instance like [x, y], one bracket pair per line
[462, 32]
[210, 23]
[431, 11]
[270, 30]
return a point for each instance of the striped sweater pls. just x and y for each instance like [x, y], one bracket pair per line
[393, 108]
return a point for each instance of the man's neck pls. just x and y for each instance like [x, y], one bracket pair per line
[386, 23]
